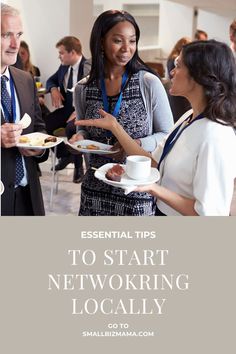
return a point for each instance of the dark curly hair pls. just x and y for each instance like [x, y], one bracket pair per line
[212, 65]
[102, 25]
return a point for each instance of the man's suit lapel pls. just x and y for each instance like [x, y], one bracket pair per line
[63, 71]
[81, 69]
[21, 92]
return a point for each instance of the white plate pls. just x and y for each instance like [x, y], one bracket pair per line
[1, 187]
[125, 180]
[102, 148]
[34, 137]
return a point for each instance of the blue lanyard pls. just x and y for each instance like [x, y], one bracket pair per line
[174, 135]
[118, 103]
[13, 105]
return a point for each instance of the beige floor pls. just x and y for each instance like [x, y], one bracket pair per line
[67, 199]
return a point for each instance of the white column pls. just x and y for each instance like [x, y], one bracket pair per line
[81, 22]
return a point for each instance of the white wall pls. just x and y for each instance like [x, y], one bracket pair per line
[81, 22]
[175, 22]
[216, 26]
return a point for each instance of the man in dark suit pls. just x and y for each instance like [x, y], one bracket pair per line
[22, 194]
[73, 68]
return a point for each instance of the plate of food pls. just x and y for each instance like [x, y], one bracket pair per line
[92, 147]
[114, 174]
[38, 141]
[1, 187]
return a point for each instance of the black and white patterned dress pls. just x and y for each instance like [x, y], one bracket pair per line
[98, 198]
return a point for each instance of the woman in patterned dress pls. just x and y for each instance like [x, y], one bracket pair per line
[123, 85]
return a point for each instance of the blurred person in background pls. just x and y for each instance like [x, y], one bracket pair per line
[175, 53]
[200, 35]
[74, 66]
[179, 105]
[24, 53]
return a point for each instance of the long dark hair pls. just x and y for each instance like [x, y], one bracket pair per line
[212, 65]
[102, 25]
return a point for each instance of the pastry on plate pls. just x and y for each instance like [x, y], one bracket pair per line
[115, 173]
